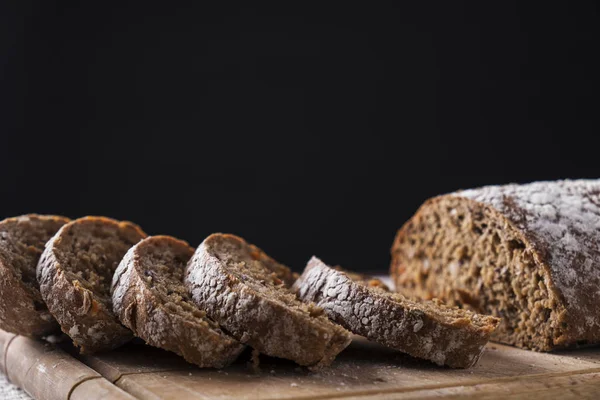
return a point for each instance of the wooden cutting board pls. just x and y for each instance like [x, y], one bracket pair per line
[363, 371]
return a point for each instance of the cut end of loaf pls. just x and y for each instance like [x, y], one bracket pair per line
[469, 255]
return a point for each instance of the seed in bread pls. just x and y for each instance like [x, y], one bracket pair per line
[244, 291]
[428, 330]
[528, 254]
[22, 240]
[149, 298]
[75, 273]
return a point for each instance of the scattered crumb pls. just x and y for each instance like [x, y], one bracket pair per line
[56, 338]
[190, 374]
[293, 384]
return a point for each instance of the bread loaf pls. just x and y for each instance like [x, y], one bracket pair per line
[528, 254]
[428, 330]
[149, 298]
[75, 273]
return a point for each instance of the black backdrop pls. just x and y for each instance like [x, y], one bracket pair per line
[307, 130]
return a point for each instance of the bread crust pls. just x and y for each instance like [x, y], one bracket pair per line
[144, 312]
[22, 310]
[558, 224]
[388, 319]
[85, 318]
[268, 325]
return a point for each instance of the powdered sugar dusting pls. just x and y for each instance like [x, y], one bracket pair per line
[562, 221]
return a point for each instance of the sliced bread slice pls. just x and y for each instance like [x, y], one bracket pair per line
[244, 291]
[75, 272]
[22, 240]
[429, 330]
[149, 298]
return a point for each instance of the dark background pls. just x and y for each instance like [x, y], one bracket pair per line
[306, 130]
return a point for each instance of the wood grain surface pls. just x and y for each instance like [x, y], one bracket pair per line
[46, 372]
[363, 371]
